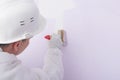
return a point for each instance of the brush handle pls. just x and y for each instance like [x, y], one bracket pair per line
[61, 33]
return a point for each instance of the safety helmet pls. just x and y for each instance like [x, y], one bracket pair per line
[19, 19]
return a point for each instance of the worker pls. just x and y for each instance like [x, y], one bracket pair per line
[20, 20]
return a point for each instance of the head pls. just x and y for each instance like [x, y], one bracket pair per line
[19, 21]
[15, 48]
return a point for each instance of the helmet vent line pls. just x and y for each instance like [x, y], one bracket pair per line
[22, 23]
[32, 19]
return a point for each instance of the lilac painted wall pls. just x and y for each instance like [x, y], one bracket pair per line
[93, 53]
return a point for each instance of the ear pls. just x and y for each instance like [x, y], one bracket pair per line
[16, 46]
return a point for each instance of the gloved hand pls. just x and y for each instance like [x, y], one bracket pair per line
[55, 41]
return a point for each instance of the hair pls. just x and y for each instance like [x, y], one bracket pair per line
[6, 45]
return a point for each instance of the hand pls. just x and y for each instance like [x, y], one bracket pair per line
[55, 41]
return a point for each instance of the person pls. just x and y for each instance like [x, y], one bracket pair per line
[20, 20]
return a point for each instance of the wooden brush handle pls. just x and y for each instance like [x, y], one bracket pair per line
[61, 32]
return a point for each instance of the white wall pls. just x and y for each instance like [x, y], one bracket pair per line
[93, 53]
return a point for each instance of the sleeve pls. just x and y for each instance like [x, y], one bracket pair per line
[53, 66]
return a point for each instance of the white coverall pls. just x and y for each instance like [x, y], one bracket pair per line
[12, 69]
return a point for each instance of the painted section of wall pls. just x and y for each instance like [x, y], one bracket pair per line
[93, 53]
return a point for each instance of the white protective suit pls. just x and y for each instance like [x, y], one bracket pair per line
[12, 69]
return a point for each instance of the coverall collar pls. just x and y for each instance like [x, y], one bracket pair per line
[6, 57]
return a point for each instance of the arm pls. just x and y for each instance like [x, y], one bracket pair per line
[53, 66]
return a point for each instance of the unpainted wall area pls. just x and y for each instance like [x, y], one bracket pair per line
[93, 32]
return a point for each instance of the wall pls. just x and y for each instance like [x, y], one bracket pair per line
[93, 52]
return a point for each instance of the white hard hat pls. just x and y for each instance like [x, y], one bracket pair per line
[19, 19]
